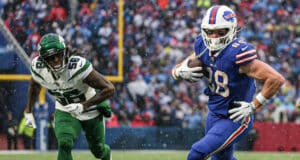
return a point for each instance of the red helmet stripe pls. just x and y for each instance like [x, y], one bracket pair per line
[213, 15]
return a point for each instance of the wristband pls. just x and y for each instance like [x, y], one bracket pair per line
[253, 107]
[261, 99]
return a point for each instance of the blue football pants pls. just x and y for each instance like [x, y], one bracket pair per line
[220, 136]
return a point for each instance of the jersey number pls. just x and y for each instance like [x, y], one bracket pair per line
[68, 97]
[73, 63]
[221, 82]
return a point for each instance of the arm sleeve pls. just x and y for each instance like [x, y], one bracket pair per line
[83, 68]
[246, 54]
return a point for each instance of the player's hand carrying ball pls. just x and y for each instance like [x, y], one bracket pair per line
[74, 109]
[191, 74]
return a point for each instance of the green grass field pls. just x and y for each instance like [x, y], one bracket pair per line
[144, 155]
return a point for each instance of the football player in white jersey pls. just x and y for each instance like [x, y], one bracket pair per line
[73, 82]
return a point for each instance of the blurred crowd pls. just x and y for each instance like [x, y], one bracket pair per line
[158, 34]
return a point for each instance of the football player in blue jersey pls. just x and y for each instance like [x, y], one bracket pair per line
[232, 66]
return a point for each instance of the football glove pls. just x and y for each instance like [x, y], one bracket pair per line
[74, 109]
[183, 71]
[105, 109]
[243, 110]
[29, 120]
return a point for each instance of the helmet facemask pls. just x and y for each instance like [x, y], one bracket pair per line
[49, 60]
[218, 43]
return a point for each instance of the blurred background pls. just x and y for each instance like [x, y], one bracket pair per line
[136, 44]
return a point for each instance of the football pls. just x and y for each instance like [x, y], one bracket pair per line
[197, 63]
[194, 62]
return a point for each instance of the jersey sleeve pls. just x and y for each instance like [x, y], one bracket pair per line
[79, 67]
[199, 48]
[36, 69]
[246, 54]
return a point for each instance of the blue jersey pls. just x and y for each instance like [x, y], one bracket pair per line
[226, 84]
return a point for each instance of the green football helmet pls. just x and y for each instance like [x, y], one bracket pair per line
[50, 47]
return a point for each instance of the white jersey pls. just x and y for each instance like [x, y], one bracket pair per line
[67, 87]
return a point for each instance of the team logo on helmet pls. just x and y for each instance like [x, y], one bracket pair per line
[229, 16]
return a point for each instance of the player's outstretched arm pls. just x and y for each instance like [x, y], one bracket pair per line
[98, 81]
[270, 77]
[33, 92]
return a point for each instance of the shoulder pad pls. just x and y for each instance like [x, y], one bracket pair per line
[37, 67]
[36, 64]
[245, 53]
[199, 46]
[79, 67]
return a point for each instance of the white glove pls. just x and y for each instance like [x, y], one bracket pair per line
[243, 110]
[185, 72]
[74, 109]
[29, 120]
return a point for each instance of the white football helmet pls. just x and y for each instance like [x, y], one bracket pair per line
[219, 17]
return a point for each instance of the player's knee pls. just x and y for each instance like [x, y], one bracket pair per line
[65, 143]
[100, 150]
[195, 155]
